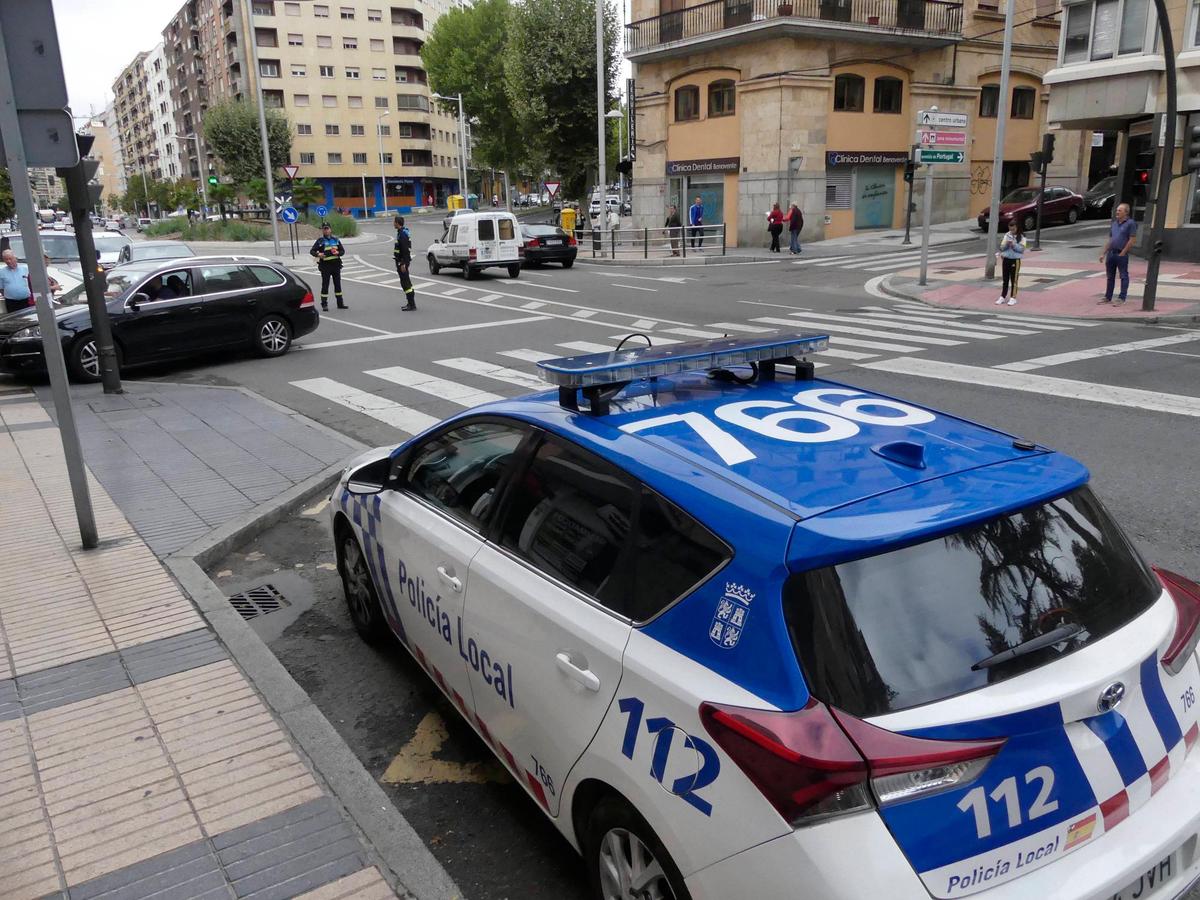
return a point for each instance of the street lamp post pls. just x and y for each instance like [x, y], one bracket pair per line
[262, 124]
[382, 177]
[619, 116]
[600, 104]
[462, 143]
[200, 163]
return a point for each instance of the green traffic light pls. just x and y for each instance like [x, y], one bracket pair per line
[212, 179]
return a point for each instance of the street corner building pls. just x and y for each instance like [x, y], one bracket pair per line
[745, 103]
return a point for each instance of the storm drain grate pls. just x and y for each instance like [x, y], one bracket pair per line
[258, 601]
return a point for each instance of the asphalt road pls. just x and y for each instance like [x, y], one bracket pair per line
[373, 371]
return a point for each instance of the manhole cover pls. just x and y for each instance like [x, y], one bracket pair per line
[258, 601]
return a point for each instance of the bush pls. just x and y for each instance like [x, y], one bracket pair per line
[343, 226]
[165, 226]
[232, 230]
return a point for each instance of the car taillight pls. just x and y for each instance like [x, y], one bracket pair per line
[308, 300]
[818, 762]
[1186, 594]
[534, 242]
[571, 240]
[471, 253]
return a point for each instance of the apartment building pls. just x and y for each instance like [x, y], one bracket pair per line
[107, 174]
[750, 102]
[1110, 79]
[135, 122]
[205, 51]
[47, 187]
[119, 182]
[162, 112]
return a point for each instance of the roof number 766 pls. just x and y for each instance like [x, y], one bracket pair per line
[833, 421]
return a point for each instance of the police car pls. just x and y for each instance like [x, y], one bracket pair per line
[743, 632]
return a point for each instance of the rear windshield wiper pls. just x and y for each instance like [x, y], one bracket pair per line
[1056, 636]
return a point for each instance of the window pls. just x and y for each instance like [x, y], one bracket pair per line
[273, 99]
[379, 74]
[325, 41]
[299, 99]
[989, 101]
[838, 187]
[405, 131]
[381, 102]
[264, 8]
[458, 471]
[328, 100]
[265, 37]
[321, 11]
[295, 40]
[266, 276]
[178, 284]
[687, 103]
[335, 159]
[374, 15]
[385, 158]
[889, 93]
[672, 554]
[401, 75]
[377, 45]
[1134, 16]
[354, 102]
[291, 9]
[360, 159]
[347, 12]
[505, 226]
[385, 130]
[331, 130]
[415, 158]
[358, 131]
[1102, 29]
[412, 101]
[326, 71]
[352, 72]
[1023, 100]
[268, 68]
[721, 98]
[298, 70]
[848, 93]
[302, 128]
[572, 519]
[219, 279]
[349, 43]
[308, 159]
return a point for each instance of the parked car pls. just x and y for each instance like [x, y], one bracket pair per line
[612, 201]
[109, 245]
[144, 250]
[1098, 201]
[478, 240]
[548, 243]
[61, 248]
[172, 309]
[449, 217]
[143, 223]
[113, 225]
[1059, 205]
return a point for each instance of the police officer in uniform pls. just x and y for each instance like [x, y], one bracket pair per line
[328, 251]
[402, 252]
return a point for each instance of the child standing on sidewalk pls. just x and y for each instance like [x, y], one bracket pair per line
[1012, 250]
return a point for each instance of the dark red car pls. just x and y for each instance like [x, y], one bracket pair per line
[1059, 205]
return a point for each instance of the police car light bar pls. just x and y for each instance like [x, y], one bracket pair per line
[621, 366]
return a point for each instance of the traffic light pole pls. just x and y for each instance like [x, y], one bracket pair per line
[910, 175]
[1037, 241]
[1166, 163]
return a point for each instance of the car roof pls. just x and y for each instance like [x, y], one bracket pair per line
[161, 244]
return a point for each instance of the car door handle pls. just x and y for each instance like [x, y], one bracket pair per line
[449, 579]
[586, 677]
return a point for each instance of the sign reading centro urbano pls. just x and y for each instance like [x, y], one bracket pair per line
[865, 157]
[704, 166]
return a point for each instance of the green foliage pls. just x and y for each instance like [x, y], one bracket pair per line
[550, 79]
[166, 226]
[306, 192]
[342, 226]
[221, 195]
[256, 190]
[231, 132]
[7, 205]
[228, 230]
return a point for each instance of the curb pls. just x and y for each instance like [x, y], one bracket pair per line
[691, 261]
[1179, 319]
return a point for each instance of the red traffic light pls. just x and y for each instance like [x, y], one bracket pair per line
[1143, 176]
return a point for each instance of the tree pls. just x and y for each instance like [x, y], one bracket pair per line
[465, 54]
[221, 194]
[256, 190]
[7, 204]
[186, 193]
[550, 79]
[306, 192]
[231, 132]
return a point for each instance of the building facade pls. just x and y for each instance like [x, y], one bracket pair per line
[162, 112]
[48, 189]
[745, 103]
[117, 168]
[135, 123]
[206, 57]
[1110, 80]
[102, 151]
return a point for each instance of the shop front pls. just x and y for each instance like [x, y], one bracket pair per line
[715, 182]
[863, 190]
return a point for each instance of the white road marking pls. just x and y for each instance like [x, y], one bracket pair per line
[499, 373]
[906, 317]
[737, 326]
[533, 356]
[864, 332]
[694, 332]
[325, 318]
[817, 259]
[669, 279]
[1044, 385]
[1046, 321]
[644, 324]
[634, 287]
[419, 333]
[488, 298]
[846, 354]
[1027, 323]
[452, 292]
[776, 305]
[1174, 353]
[587, 347]
[1059, 359]
[402, 418]
[583, 314]
[551, 287]
[658, 339]
[840, 341]
[902, 326]
[460, 394]
[933, 260]
[919, 311]
[534, 304]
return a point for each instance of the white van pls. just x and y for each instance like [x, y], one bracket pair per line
[478, 240]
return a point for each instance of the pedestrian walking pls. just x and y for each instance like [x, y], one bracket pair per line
[14, 283]
[696, 220]
[613, 221]
[1011, 252]
[775, 226]
[328, 252]
[402, 253]
[674, 227]
[795, 220]
[1115, 254]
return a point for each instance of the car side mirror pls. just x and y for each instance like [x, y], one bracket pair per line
[370, 478]
[138, 299]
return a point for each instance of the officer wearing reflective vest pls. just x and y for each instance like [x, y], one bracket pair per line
[402, 253]
[328, 252]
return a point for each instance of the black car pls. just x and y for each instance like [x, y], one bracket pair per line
[1098, 201]
[166, 309]
[548, 243]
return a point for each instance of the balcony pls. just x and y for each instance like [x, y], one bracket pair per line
[722, 22]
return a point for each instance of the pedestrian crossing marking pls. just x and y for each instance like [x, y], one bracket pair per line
[864, 332]
[488, 298]
[657, 340]
[1029, 323]
[499, 373]
[459, 394]
[839, 341]
[737, 326]
[587, 347]
[694, 332]
[904, 326]
[938, 259]
[835, 353]
[533, 304]
[583, 313]
[644, 324]
[920, 310]
[452, 292]
[533, 356]
[402, 418]
[816, 259]
[885, 317]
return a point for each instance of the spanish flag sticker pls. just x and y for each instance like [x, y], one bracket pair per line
[1081, 831]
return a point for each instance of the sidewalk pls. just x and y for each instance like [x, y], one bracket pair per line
[139, 755]
[1063, 279]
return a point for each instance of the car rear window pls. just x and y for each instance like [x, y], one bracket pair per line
[487, 230]
[265, 275]
[905, 627]
[506, 229]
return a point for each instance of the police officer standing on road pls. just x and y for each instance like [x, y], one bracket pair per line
[402, 253]
[328, 252]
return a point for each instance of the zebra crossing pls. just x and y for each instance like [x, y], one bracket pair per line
[890, 261]
[412, 399]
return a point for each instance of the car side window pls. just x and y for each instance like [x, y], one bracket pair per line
[570, 516]
[458, 471]
[266, 276]
[487, 230]
[453, 234]
[218, 279]
[673, 554]
[506, 230]
[169, 285]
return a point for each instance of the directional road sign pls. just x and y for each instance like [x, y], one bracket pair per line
[289, 214]
[926, 156]
[322, 211]
[942, 138]
[941, 119]
[290, 171]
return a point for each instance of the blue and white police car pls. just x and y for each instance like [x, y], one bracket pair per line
[741, 632]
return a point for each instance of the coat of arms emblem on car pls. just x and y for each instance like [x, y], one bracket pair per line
[733, 609]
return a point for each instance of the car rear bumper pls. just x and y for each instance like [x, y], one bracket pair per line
[305, 321]
[550, 254]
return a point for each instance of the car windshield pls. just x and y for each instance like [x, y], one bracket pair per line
[56, 246]
[110, 244]
[541, 230]
[1104, 185]
[911, 626]
[1022, 195]
[74, 297]
[160, 251]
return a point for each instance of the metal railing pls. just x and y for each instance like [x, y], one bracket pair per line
[937, 17]
[652, 243]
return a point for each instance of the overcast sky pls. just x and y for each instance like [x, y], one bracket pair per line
[99, 38]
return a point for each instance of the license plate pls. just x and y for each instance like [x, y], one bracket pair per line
[1148, 884]
[554, 243]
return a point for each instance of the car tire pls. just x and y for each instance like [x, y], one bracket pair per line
[272, 335]
[470, 273]
[1072, 216]
[83, 359]
[362, 601]
[1029, 223]
[567, 263]
[434, 268]
[619, 842]
[514, 270]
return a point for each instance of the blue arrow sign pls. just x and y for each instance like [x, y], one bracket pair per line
[289, 214]
[322, 211]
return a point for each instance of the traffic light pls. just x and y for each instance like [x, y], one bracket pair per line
[1047, 148]
[910, 170]
[625, 166]
[88, 167]
[212, 179]
[1191, 145]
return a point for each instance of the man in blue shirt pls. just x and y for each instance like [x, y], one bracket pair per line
[14, 283]
[1115, 255]
[696, 220]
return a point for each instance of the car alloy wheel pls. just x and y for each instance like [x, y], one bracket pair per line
[1072, 216]
[89, 359]
[274, 336]
[1029, 224]
[629, 870]
[361, 600]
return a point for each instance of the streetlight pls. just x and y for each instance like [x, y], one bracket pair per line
[462, 141]
[382, 177]
[620, 117]
[248, 15]
[200, 164]
[145, 191]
